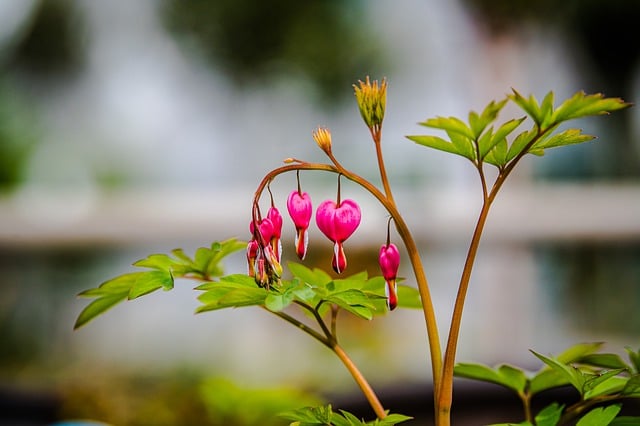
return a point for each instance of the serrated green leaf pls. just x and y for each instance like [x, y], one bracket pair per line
[449, 124]
[355, 301]
[435, 142]
[546, 111]
[463, 145]
[634, 357]
[278, 301]
[571, 374]
[579, 351]
[549, 415]
[118, 285]
[316, 277]
[97, 307]
[567, 137]
[632, 387]
[520, 143]
[180, 254]
[600, 416]
[499, 136]
[505, 375]
[149, 282]
[393, 419]
[497, 156]
[161, 262]
[231, 297]
[603, 383]
[603, 360]
[530, 106]
[582, 105]
[479, 123]
[547, 379]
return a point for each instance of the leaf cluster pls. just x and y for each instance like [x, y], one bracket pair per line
[314, 289]
[481, 140]
[325, 416]
[162, 269]
[598, 378]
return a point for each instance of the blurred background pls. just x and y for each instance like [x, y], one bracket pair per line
[128, 128]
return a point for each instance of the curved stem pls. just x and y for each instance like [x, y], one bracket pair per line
[405, 235]
[361, 381]
[376, 134]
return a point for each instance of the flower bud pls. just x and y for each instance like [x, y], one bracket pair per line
[372, 100]
[300, 209]
[276, 220]
[322, 136]
[389, 260]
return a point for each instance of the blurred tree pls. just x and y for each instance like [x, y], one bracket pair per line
[252, 42]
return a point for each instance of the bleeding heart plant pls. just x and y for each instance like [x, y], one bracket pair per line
[602, 380]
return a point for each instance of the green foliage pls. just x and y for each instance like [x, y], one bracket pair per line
[480, 143]
[597, 377]
[228, 403]
[163, 269]
[325, 416]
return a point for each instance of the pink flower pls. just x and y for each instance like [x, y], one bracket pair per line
[338, 222]
[271, 270]
[300, 210]
[389, 260]
[252, 255]
[276, 220]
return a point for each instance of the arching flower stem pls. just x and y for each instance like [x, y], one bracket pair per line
[403, 232]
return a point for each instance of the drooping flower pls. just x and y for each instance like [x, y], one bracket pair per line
[276, 220]
[338, 221]
[389, 260]
[300, 209]
[266, 264]
[252, 256]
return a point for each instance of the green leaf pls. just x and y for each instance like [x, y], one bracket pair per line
[547, 379]
[549, 415]
[392, 419]
[571, 374]
[97, 307]
[480, 122]
[161, 262]
[520, 144]
[498, 154]
[530, 106]
[632, 387]
[310, 415]
[316, 277]
[578, 352]
[449, 124]
[546, 111]
[278, 301]
[600, 416]
[355, 301]
[634, 357]
[582, 105]
[148, 282]
[499, 136]
[567, 137]
[228, 296]
[505, 375]
[603, 360]
[239, 280]
[436, 142]
[463, 145]
[603, 383]
[117, 285]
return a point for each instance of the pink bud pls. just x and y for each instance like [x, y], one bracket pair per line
[338, 222]
[300, 209]
[266, 228]
[276, 219]
[389, 260]
[252, 254]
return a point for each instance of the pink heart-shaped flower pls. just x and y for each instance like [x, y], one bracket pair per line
[338, 222]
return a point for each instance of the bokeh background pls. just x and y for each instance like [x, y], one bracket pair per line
[128, 128]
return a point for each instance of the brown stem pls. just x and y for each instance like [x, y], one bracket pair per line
[361, 381]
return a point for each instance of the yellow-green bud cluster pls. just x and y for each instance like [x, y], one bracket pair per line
[372, 99]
